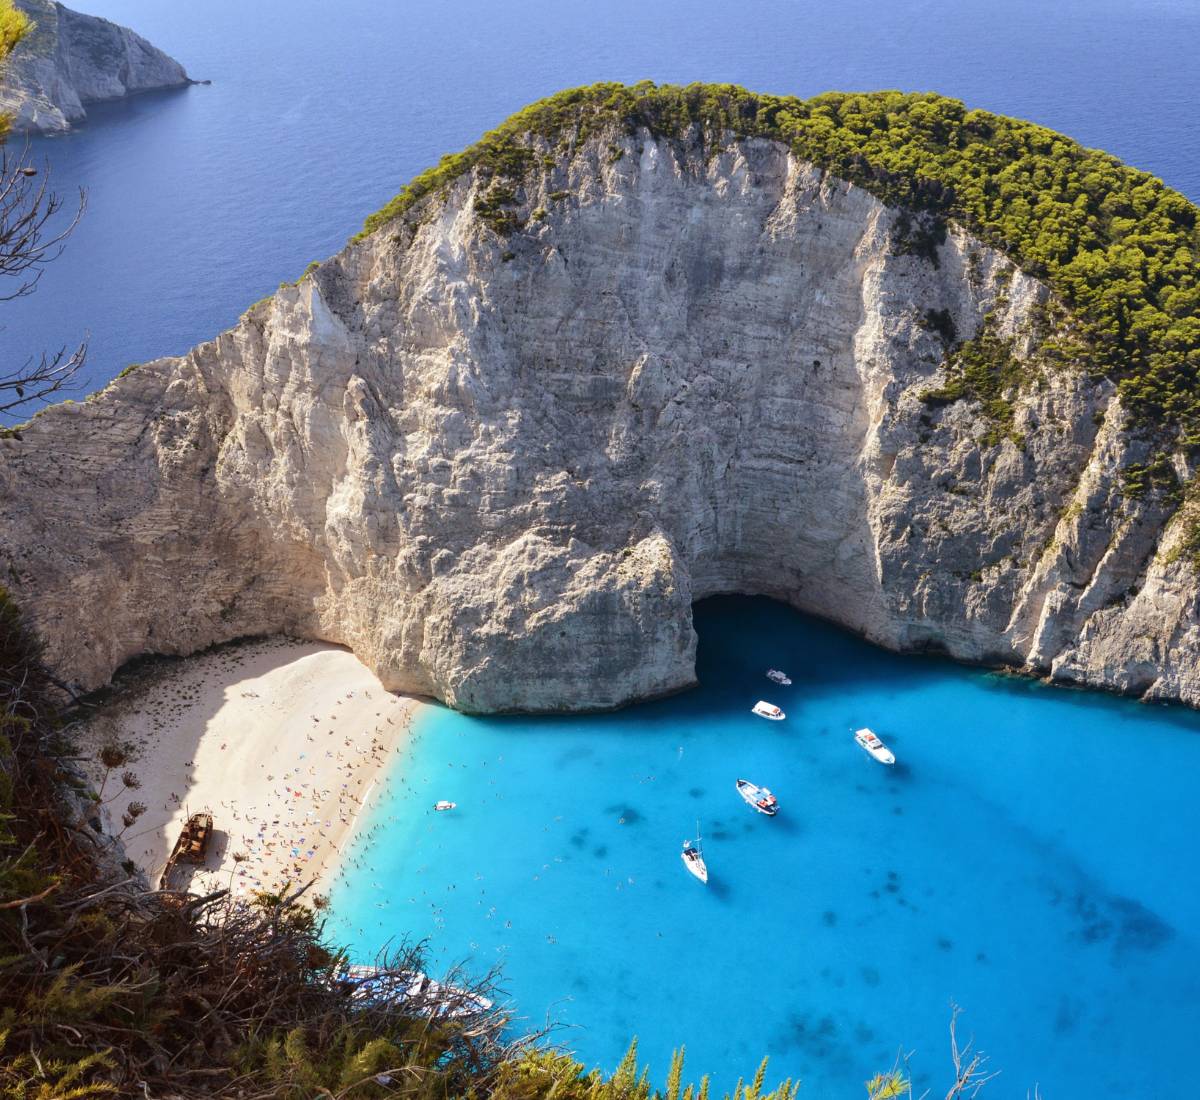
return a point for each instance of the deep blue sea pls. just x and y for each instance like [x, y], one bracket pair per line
[1031, 858]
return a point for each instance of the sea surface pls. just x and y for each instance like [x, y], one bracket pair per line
[1031, 858]
[202, 200]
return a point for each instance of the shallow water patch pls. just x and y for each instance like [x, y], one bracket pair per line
[1039, 866]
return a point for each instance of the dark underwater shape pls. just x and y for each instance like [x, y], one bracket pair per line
[1012, 788]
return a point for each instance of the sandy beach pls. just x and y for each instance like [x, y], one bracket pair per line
[282, 741]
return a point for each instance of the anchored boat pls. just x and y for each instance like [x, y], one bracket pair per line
[693, 858]
[430, 998]
[768, 710]
[777, 677]
[869, 741]
[759, 798]
[444, 805]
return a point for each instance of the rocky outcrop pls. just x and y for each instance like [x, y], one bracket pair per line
[69, 60]
[502, 469]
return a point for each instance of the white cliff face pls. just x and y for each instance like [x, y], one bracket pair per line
[501, 470]
[71, 59]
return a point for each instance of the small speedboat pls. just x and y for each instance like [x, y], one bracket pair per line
[768, 710]
[693, 858]
[444, 805]
[869, 741]
[415, 988]
[777, 677]
[757, 797]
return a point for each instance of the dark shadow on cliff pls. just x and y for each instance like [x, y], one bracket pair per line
[152, 682]
[741, 637]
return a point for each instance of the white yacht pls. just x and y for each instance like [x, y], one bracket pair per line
[693, 858]
[430, 998]
[445, 805]
[777, 677]
[758, 798]
[768, 710]
[870, 741]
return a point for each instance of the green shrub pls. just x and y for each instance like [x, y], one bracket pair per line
[1115, 244]
[1155, 476]
[982, 369]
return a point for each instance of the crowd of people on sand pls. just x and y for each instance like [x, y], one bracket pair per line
[293, 837]
[285, 810]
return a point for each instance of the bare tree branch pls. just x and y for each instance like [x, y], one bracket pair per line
[969, 1074]
[38, 382]
[27, 206]
[30, 238]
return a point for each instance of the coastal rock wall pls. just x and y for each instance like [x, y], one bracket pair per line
[71, 59]
[501, 469]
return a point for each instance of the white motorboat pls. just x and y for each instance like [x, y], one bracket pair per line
[777, 677]
[759, 798]
[693, 858]
[430, 998]
[444, 805]
[768, 710]
[870, 741]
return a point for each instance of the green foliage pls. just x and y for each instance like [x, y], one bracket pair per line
[132, 993]
[888, 1086]
[983, 369]
[494, 208]
[919, 234]
[1155, 476]
[1118, 247]
[14, 26]
[1188, 548]
[541, 1074]
[23, 1076]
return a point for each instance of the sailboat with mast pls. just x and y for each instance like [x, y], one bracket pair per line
[693, 858]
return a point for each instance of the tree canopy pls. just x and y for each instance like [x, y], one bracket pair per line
[1121, 249]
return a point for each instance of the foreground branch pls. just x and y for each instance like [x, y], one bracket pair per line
[31, 237]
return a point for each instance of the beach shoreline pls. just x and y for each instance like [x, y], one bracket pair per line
[282, 741]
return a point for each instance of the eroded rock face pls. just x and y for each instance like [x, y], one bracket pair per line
[71, 59]
[501, 470]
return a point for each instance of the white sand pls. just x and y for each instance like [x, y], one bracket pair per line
[280, 740]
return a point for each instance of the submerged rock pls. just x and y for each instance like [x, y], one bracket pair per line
[71, 59]
[501, 468]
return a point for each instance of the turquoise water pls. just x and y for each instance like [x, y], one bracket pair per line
[1031, 858]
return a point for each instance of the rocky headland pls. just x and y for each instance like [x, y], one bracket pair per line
[70, 60]
[502, 441]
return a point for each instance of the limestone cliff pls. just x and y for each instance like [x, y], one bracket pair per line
[501, 468]
[71, 59]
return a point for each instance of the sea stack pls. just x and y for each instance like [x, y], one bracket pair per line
[70, 60]
[612, 361]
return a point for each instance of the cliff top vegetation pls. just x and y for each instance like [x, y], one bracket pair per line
[1120, 249]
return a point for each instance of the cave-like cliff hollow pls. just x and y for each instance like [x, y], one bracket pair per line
[502, 441]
